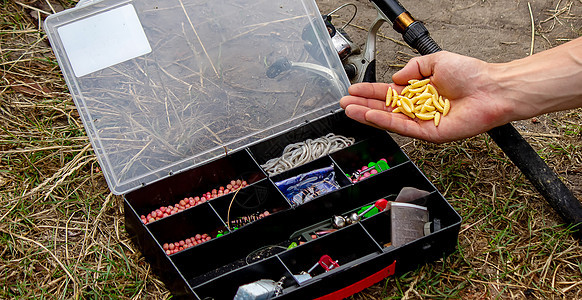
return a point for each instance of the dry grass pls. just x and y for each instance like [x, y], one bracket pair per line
[62, 233]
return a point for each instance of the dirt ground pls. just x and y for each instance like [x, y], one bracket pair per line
[62, 232]
[491, 30]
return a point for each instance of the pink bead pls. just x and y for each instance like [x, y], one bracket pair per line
[374, 172]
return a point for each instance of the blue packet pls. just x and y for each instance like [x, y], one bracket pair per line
[304, 187]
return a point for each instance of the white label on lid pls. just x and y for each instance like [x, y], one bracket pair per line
[104, 40]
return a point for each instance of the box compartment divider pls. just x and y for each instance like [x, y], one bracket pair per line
[255, 199]
[226, 286]
[202, 219]
[381, 146]
[230, 251]
[391, 182]
[344, 246]
[272, 230]
[338, 124]
[195, 182]
[152, 250]
[319, 163]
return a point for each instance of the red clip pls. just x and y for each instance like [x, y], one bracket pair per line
[327, 263]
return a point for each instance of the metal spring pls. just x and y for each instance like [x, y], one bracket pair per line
[245, 220]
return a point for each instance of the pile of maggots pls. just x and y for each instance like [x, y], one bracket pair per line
[419, 99]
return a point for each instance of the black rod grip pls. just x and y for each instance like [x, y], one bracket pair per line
[391, 8]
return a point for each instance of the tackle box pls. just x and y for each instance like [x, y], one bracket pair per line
[180, 97]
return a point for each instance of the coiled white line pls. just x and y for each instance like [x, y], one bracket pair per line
[301, 153]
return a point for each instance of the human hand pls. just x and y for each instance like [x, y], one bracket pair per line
[475, 104]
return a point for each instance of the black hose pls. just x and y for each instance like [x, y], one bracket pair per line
[539, 174]
[417, 36]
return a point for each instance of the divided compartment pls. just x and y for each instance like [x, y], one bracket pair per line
[337, 123]
[319, 163]
[380, 146]
[438, 243]
[235, 250]
[195, 182]
[248, 203]
[391, 182]
[344, 246]
[377, 224]
[226, 286]
[349, 198]
[200, 220]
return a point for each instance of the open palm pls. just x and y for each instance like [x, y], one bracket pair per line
[463, 80]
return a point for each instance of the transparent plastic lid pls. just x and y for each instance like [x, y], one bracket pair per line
[164, 86]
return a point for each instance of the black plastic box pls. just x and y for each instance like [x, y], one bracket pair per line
[166, 88]
[216, 268]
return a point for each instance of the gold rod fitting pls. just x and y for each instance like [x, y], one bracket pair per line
[403, 21]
